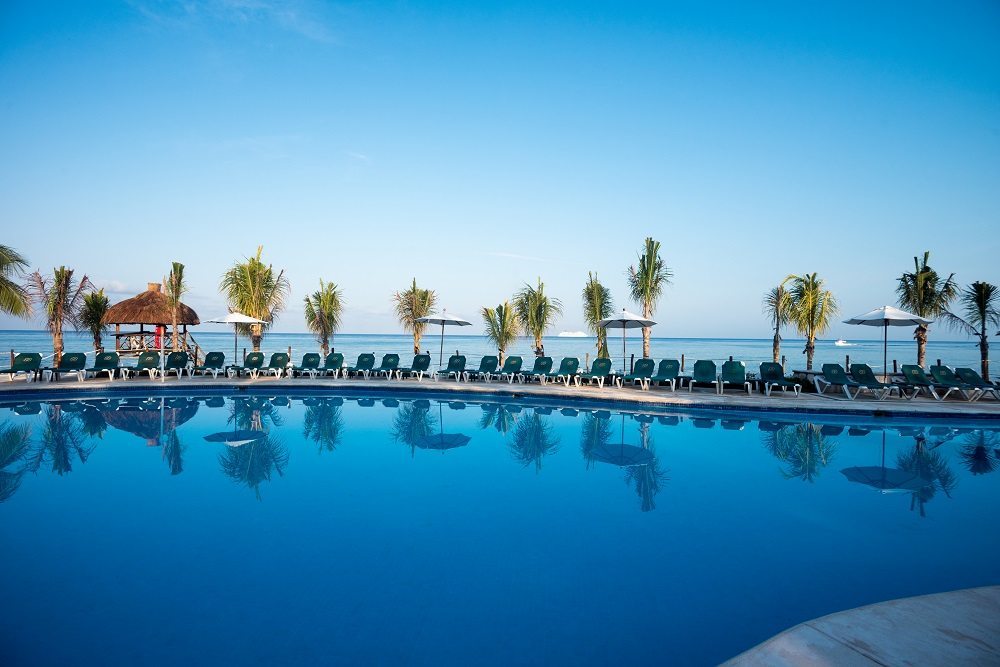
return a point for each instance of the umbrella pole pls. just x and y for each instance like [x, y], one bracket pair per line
[441, 351]
[885, 351]
[624, 372]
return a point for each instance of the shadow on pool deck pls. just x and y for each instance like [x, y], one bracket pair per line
[956, 628]
[627, 396]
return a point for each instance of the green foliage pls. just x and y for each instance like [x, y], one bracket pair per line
[95, 305]
[323, 309]
[812, 309]
[597, 305]
[15, 299]
[979, 316]
[324, 425]
[258, 290]
[501, 326]
[803, 449]
[777, 307]
[61, 299]
[411, 304]
[536, 311]
[533, 440]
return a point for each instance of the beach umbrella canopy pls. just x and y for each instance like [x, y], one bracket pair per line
[621, 454]
[886, 317]
[625, 320]
[444, 319]
[234, 319]
[235, 438]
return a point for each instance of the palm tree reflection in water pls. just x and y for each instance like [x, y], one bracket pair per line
[253, 463]
[62, 438]
[803, 448]
[980, 453]
[533, 440]
[927, 464]
[647, 479]
[15, 442]
[413, 423]
[323, 424]
[500, 416]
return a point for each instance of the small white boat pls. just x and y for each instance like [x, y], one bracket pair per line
[840, 342]
[572, 334]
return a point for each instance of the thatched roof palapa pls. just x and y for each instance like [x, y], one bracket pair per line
[150, 307]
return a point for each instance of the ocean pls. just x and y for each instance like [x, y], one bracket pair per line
[749, 350]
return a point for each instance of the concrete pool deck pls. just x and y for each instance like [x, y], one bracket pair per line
[631, 398]
[956, 628]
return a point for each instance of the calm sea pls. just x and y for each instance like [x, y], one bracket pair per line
[751, 351]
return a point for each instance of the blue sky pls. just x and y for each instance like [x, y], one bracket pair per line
[476, 146]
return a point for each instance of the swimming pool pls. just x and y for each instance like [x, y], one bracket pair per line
[262, 529]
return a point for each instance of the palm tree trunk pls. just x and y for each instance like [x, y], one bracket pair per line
[325, 346]
[501, 353]
[538, 344]
[416, 343]
[984, 354]
[57, 343]
[810, 350]
[256, 335]
[920, 334]
[776, 347]
[647, 312]
[97, 343]
[173, 318]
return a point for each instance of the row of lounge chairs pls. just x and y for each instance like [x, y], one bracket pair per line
[941, 382]
[646, 373]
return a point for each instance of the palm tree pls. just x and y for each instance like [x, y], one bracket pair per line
[812, 309]
[980, 453]
[323, 309]
[95, 305]
[646, 283]
[778, 309]
[14, 297]
[413, 422]
[14, 442]
[923, 293]
[253, 463]
[533, 441]
[928, 465]
[61, 296]
[324, 425]
[412, 304]
[255, 289]
[501, 327]
[596, 433]
[173, 453]
[536, 311]
[597, 305]
[176, 287]
[981, 311]
[62, 438]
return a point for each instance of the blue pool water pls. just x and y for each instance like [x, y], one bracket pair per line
[352, 530]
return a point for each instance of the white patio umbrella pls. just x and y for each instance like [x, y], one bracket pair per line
[444, 319]
[886, 317]
[234, 319]
[623, 321]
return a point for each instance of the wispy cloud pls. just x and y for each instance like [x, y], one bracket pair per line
[360, 157]
[511, 255]
[301, 17]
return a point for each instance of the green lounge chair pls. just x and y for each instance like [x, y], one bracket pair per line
[865, 376]
[366, 362]
[310, 365]
[252, 365]
[176, 362]
[914, 378]
[105, 362]
[834, 375]
[734, 373]
[511, 369]
[148, 362]
[705, 372]
[215, 363]
[668, 371]
[945, 377]
[419, 367]
[542, 366]
[456, 368]
[567, 371]
[333, 364]
[71, 363]
[971, 377]
[29, 363]
[641, 373]
[773, 375]
[487, 367]
[389, 366]
[277, 365]
[600, 371]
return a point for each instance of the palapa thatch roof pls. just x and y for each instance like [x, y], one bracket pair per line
[150, 307]
[148, 424]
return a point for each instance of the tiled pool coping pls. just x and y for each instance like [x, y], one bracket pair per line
[956, 628]
[626, 398]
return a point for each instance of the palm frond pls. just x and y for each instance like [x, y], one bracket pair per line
[15, 299]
